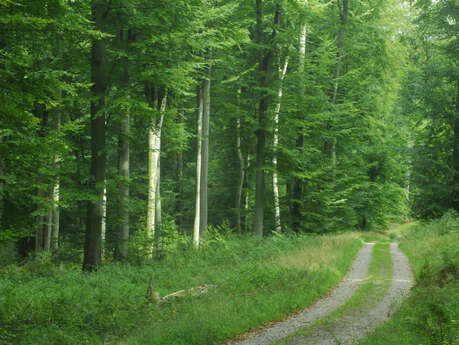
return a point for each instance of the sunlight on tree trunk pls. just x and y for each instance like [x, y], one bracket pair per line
[154, 151]
[197, 215]
[282, 73]
[205, 152]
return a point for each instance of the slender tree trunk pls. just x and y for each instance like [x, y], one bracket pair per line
[298, 183]
[246, 198]
[158, 215]
[104, 218]
[456, 152]
[197, 215]
[2, 188]
[203, 218]
[179, 183]
[121, 250]
[265, 61]
[343, 20]
[282, 73]
[48, 229]
[55, 215]
[240, 185]
[154, 150]
[93, 240]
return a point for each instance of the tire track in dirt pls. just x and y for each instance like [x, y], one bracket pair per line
[350, 328]
[338, 297]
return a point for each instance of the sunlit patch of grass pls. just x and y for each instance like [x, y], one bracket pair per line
[325, 252]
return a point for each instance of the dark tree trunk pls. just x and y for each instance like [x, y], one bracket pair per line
[265, 62]
[456, 153]
[179, 183]
[123, 169]
[93, 239]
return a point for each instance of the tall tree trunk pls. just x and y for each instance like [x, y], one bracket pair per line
[203, 218]
[93, 248]
[246, 197]
[55, 215]
[48, 228]
[154, 150]
[179, 183]
[121, 249]
[298, 183]
[265, 61]
[282, 73]
[158, 215]
[104, 219]
[343, 12]
[197, 215]
[2, 188]
[240, 185]
[456, 152]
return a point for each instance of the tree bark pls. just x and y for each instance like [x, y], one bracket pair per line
[158, 215]
[343, 12]
[456, 152]
[197, 221]
[298, 183]
[265, 63]
[121, 249]
[282, 73]
[246, 198]
[240, 184]
[92, 248]
[179, 183]
[205, 152]
[154, 150]
[2, 188]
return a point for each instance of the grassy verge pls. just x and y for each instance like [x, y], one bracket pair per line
[373, 289]
[431, 314]
[258, 281]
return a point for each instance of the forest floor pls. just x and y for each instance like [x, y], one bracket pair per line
[370, 293]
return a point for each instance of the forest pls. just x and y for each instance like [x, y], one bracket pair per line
[139, 138]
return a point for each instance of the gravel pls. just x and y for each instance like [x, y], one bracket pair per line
[344, 290]
[348, 329]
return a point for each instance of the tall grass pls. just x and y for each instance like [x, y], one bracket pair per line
[257, 280]
[431, 313]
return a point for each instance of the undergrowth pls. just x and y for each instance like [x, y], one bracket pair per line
[257, 280]
[430, 316]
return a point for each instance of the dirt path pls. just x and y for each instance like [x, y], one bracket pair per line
[345, 289]
[346, 329]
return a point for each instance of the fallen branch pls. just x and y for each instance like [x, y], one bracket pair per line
[194, 291]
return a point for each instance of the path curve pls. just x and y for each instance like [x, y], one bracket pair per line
[348, 329]
[344, 290]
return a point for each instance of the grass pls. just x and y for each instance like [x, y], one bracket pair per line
[41, 303]
[430, 316]
[373, 289]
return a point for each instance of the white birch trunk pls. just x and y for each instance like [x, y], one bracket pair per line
[154, 148]
[197, 216]
[277, 219]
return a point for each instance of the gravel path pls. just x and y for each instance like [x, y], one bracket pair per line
[345, 289]
[348, 329]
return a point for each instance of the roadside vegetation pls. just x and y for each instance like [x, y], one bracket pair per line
[256, 281]
[430, 316]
